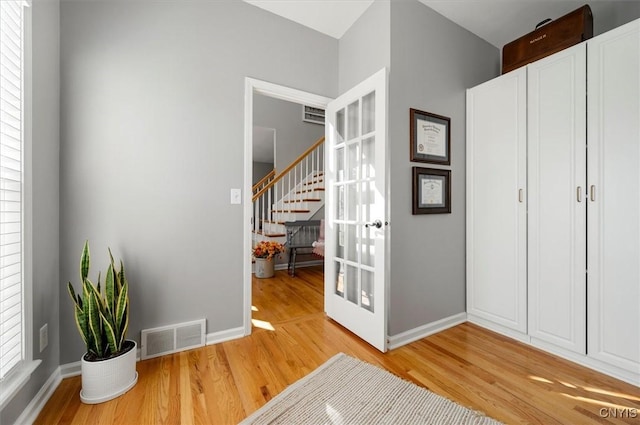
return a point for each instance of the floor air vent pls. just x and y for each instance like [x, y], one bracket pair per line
[172, 339]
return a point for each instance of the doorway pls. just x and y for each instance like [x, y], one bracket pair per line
[253, 88]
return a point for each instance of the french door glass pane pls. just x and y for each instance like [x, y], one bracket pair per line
[368, 248]
[351, 284]
[353, 158]
[369, 113]
[366, 293]
[352, 243]
[367, 198]
[340, 241]
[339, 202]
[340, 124]
[353, 116]
[340, 279]
[352, 199]
[340, 164]
[368, 158]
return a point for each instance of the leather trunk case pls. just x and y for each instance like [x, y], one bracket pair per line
[566, 31]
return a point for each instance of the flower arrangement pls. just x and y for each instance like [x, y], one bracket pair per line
[267, 249]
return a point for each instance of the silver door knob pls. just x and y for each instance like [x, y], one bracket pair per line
[377, 224]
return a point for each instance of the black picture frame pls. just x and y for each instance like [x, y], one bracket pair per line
[430, 137]
[431, 191]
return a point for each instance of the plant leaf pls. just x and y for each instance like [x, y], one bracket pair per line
[84, 261]
[122, 315]
[81, 323]
[109, 288]
[72, 293]
[109, 331]
[121, 276]
[94, 319]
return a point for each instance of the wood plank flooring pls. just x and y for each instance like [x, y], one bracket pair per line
[223, 383]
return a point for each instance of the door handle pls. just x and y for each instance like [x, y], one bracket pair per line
[520, 195]
[377, 224]
[579, 194]
[592, 194]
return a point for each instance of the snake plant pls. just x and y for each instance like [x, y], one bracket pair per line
[102, 315]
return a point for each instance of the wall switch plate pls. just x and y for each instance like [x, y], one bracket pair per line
[44, 337]
[236, 196]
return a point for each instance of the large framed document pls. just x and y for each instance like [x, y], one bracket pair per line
[431, 191]
[430, 136]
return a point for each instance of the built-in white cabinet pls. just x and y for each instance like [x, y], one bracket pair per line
[613, 231]
[553, 203]
[556, 184]
[496, 205]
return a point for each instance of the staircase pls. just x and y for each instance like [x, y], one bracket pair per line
[297, 193]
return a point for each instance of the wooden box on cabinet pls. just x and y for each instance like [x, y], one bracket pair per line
[557, 35]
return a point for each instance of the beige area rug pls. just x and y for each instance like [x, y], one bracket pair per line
[345, 391]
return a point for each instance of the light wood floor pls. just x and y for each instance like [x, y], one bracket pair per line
[223, 383]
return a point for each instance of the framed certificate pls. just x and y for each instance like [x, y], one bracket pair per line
[431, 191]
[430, 136]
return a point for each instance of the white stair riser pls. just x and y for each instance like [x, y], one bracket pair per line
[257, 237]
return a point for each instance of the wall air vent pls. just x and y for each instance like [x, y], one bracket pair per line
[172, 339]
[312, 115]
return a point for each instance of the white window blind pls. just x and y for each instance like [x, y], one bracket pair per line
[11, 179]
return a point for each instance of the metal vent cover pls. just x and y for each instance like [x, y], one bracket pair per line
[172, 339]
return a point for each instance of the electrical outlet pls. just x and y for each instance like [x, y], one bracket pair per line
[44, 337]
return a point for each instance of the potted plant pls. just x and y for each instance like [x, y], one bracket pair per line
[102, 318]
[264, 252]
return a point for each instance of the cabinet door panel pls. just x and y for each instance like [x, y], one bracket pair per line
[496, 219]
[556, 145]
[614, 212]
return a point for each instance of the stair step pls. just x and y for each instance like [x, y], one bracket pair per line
[291, 211]
[272, 222]
[302, 200]
[313, 182]
[310, 190]
[270, 235]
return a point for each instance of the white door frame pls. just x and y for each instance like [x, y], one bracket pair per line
[251, 88]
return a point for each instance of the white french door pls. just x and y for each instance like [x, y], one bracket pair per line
[355, 227]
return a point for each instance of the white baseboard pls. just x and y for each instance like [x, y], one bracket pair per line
[70, 369]
[226, 335]
[423, 331]
[501, 329]
[33, 409]
[595, 364]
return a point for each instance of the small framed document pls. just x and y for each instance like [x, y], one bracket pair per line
[431, 191]
[430, 136]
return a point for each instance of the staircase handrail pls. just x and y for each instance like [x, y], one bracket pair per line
[289, 168]
[263, 180]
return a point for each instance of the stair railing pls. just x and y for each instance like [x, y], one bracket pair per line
[286, 190]
[263, 182]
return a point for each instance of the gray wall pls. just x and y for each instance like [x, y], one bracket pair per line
[45, 194]
[260, 169]
[433, 62]
[152, 141]
[293, 136]
[611, 14]
[366, 47]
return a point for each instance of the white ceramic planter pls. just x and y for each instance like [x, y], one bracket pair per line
[107, 379]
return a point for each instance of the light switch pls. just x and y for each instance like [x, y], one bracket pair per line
[236, 196]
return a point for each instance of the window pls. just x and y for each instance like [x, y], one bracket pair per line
[15, 366]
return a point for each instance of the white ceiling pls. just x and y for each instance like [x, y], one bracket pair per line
[331, 17]
[496, 21]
